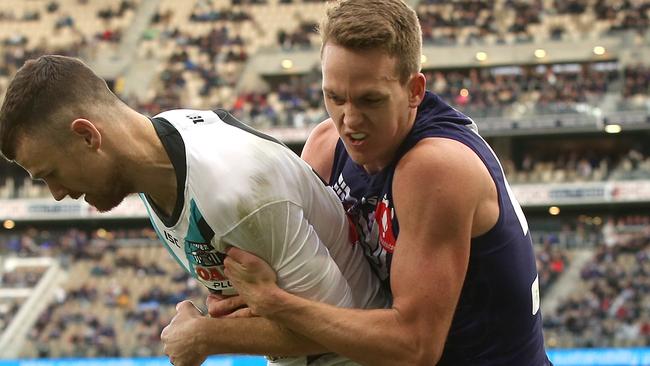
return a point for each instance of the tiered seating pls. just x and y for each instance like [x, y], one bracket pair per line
[127, 316]
[63, 23]
[523, 90]
[296, 102]
[204, 47]
[611, 307]
[494, 22]
[23, 277]
[8, 308]
[576, 168]
[206, 44]
[636, 88]
[552, 261]
[102, 311]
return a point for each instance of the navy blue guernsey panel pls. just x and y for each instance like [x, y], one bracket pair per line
[497, 319]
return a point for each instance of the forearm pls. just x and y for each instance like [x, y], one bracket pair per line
[370, 337]
[257, 335]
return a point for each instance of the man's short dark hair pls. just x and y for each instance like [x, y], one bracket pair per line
[48, 91]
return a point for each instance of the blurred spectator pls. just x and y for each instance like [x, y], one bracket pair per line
[611, 310]
[7, 311]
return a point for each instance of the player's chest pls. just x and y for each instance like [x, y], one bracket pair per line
[195, 251]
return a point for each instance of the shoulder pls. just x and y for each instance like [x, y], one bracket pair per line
[443, 169]
[439, 153]
[320, 146]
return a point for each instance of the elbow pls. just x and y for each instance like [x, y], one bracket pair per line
[420, 343]
[422, 353]
[426, 357]
[428, 349]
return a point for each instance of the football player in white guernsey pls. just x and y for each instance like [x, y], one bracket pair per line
[209, 183]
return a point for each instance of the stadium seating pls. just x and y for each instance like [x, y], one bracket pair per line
[100, 295]
[611, 307]
[8, 308]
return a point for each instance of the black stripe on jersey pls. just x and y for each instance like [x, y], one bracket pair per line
[175, 147]
[206, 231]
[231, 120]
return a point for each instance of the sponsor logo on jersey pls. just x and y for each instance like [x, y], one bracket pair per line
[210, 273]
[384, 218]
[365, 228]
[208, 264]
[171, 239]
[342, 190]
[203, 254]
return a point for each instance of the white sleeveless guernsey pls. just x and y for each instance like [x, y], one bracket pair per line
[244, 190]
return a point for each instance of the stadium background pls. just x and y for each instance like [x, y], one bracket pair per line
[560, 89]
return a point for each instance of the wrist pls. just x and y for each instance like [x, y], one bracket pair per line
[273, 302]
[201, 335]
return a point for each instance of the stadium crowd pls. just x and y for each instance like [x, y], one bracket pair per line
[611, 310]
[502, 91]
[103, 264]
[8, 308]
[101, 267]
[205, 46]
[67, 329]
[552, 261]
[21, 278]
[516, 21]
[479, 92]
[574, 167]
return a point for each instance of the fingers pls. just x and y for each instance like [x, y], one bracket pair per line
[240, 256]
[225, 306]
[233, 268]
[216, 296]
[188, 307]
[234, 253]
[241, 313]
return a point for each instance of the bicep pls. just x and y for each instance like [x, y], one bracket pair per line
[435, 201]
[280, 234]
[319, 148]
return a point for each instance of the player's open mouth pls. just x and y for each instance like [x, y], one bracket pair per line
[357, 138]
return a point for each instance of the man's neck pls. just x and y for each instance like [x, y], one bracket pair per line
[152, 170]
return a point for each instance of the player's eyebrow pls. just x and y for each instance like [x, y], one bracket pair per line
[329, 91]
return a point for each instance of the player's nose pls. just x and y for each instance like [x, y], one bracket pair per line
[352, 117]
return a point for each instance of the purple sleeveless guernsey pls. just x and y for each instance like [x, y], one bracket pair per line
[497, 319]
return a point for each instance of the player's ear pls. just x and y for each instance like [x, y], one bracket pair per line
[416, 87]
[88, 131]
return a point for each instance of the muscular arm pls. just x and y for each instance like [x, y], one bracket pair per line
[256, 335]
[437, 187]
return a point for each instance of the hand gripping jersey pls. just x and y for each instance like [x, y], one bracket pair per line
[238, 187]
[497, 319]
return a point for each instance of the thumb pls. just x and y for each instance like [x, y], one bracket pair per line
[188, 307]
[236, 254]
